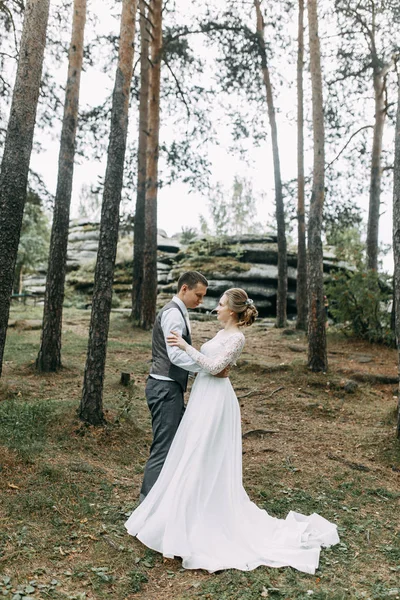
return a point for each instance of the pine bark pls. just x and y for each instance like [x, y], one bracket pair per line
[49, 358]
[149, 289]
[17, 150]
[281, 302]
[376, 169]
[91, 406]
[317, 356]
[139, 223]
[301, 287]
[396, 241]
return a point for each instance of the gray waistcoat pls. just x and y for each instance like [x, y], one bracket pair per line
[161, 365]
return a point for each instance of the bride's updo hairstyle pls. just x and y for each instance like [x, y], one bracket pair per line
[242, 305]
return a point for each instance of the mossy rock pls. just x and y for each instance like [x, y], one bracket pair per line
[208, 265]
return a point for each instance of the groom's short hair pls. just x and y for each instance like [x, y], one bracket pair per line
[191, 279]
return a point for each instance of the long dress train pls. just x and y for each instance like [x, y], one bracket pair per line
[198, 508]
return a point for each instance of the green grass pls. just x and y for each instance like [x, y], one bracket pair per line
[67, 489]
[24, 425]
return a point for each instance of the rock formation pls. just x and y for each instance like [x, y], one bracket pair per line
[244, 261]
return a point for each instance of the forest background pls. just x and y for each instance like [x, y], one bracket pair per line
[236, 144]
[226, 76]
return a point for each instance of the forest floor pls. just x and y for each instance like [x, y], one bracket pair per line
[312, 443]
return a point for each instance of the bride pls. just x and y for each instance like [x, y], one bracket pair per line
[198, 508]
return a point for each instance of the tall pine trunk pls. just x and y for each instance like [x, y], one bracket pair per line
[91, 406]
[139, 224]
[301, 288]
[149, 287]
[17, 150]
[376, 169]
[49, 358]
[396, 240]
[317, 356]
[279, 207]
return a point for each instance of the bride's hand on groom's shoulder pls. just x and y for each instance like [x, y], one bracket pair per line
[174, 339]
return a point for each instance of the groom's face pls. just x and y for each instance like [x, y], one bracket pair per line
[192, 297]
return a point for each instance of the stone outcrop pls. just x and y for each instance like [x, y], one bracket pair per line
[248, 261]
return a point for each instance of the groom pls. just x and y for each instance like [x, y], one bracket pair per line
[169, 372]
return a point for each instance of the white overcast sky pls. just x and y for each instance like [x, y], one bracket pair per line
[177, 207]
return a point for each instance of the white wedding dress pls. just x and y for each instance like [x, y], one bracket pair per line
[198, 508]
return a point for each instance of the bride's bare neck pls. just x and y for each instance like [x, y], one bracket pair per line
[230, 328]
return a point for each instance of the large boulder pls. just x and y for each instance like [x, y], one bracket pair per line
[247, 261]
[83, 241]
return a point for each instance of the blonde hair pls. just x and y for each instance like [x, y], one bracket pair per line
[242, 305]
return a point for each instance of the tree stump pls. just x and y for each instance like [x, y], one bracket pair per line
[125, 379]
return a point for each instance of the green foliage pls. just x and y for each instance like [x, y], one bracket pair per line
[361, 301]
[189, 234]
[219, 209]
[203, 255]
[35, 235]
[90, 202]
[232, 213]
[115, 301]
[136, 581]
[348, 244]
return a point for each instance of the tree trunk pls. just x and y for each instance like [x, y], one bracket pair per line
[17, 278]
[91, 407]
[376, 169]
[139, 224]
[49, 358]
[20, 282]
[317, 357]
[393, 311]
[301, 288]
[149, 290]
[17, 150]
[396, 241]
[279, 207]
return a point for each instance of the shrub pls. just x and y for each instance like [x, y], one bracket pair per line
[362, 302]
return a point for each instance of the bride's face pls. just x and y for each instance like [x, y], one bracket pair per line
[223, 310]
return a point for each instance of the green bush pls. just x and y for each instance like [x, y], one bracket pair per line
[362, 301]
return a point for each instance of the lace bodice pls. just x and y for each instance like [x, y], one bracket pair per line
[221, 351]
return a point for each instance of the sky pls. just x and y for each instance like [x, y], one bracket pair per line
[178, 207]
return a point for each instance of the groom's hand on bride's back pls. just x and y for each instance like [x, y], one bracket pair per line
[224, 373]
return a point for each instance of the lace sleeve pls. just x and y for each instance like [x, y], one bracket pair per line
[216, 364]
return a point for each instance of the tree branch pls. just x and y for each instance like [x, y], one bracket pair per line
[347, 143]
[208, 28]
[351, 74]
[180, 91]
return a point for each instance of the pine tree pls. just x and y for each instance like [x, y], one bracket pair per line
[281, 298]
[317, 356]
[139, 224]
[91, 406]
[301, 286]
[49, 358]
[149, 289]
[17, 150]
[396, 239]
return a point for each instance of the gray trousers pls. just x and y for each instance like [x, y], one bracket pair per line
[165, 402]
